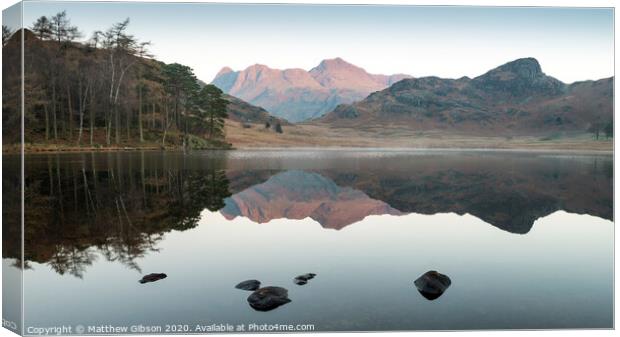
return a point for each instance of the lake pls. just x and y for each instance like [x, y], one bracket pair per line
[526, 239]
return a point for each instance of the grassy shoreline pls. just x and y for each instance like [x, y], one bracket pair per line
[532, 149]
[435, 149]
[324, 137]
[34, 149]
[396, 137]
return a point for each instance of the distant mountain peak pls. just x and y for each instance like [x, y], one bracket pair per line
[339, 74]
[525, 61]
[258, 66]
[335, 62]
[224, 70]
[520, 77]
[524, 67]
[337, 65]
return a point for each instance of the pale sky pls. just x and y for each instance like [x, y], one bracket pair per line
[572, 44]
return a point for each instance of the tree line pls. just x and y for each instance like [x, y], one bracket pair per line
[598, 127]
[107, 90]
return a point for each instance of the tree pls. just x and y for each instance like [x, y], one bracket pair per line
[279, 128]
[6, 34]
[86, 79]
[595, 129]
[609, 129]
[58, 29]
[61, 29]
[182, 85]
[142, 54]
[42, 28]
[120, 49]
[212, 109]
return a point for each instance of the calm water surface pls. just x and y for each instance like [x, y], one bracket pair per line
[526, 239]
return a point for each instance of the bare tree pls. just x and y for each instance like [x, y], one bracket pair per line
[142, 54]
[121, 49]
[6, 34]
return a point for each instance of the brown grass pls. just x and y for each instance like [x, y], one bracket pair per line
[395, 136]
[326, 136]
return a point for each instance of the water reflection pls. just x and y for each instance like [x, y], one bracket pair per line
[509, 193]
[298, 195]
[120, 205]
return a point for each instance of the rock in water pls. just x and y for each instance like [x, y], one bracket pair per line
[248, 285]
[268, 298]
[308, 276]
[153, 277]
[432, 284]
[303, 279]
[299, 282]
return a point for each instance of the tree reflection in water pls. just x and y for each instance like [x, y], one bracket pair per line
[115, 207]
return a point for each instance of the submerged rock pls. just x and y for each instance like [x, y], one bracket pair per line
[303, 279]
[248, 285]
[268, 298]
[153, 277]
[432, 284]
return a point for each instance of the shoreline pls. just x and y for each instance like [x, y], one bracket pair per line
[534, 149]
[432, 149]
[323, 138]
[85, 149]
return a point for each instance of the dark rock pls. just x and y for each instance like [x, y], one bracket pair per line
[303, 279]
[432, 284]
[299, 282]
[248, 285]
[306, 277]
[268, 298]
[153, 277]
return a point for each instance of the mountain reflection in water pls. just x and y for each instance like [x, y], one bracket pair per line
[298, 195]
[120, 205]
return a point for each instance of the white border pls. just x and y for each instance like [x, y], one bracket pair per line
[537, 3]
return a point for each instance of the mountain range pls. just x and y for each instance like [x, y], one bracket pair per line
[517, 97]
[298, 95]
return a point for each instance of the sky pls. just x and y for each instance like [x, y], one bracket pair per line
[571, 44]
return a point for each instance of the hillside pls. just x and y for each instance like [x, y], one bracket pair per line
[515, 98]
[241, 111]
[298, 95]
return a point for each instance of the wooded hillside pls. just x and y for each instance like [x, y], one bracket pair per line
[104, 91]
